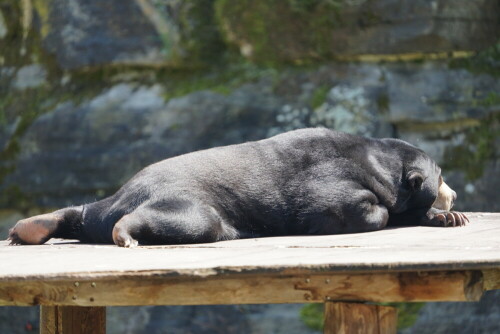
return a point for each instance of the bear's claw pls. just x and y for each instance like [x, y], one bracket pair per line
[14, 238]
[451, 219]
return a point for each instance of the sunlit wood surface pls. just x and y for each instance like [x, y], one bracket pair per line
[396, 264]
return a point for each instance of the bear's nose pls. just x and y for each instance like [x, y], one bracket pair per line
[453, 198]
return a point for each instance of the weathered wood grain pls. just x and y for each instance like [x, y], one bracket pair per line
[72, 320]
[354, 318]
[247, 289]
[400, 264]
[475, 246]
[491, 279]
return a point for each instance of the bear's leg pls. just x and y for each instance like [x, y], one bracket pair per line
[333, 210]
[123, 229]
[364, 213]
[64, 223]
[172, 222]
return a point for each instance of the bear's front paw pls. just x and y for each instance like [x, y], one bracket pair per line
[450, 219]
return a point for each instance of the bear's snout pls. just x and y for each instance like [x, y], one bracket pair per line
[446, 197]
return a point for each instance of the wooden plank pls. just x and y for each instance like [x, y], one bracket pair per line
[49, 320]
[387, 318]
[475, 246]
[349, 318]
[72, 320]
[247, 289]
[491, 279]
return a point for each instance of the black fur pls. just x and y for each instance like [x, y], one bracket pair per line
[310, 181]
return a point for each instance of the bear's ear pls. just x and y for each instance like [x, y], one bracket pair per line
[415, 180]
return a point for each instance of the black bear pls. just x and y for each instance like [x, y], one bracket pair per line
[304, 182]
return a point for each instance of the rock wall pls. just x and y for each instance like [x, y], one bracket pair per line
[105, 138]
[300, 30]
[92, 91]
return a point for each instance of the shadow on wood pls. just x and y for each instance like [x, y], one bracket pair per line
[72, 320]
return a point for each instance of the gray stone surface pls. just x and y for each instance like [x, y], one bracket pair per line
[127, 32]
[7, 219]
[265, 319]
[480, 194]
[434, 93]
[101, 142]
[184, 33]
[460, 318]
[230, 319]
[7, 124]
[3, 27]
[19, 320]
[30, 76]
[86, 33]
[322, 29]
[387, 26]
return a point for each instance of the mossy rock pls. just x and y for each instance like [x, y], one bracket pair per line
[276, 30]
[200, 36]
[298, 31]
[485, 62]
[18, 45]
[480, 146]
[95, 34]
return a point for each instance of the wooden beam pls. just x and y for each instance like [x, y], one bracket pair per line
[248, 289]
[72, 320]
[347, 318]
[491, 279]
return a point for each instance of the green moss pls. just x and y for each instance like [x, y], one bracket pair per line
[480, 146]
[274, 31]
[220, 79]
[21, 47]
[195, 40]
[189, 36]
[200, 34]
[10, 45]
[43, 10]
[313, 314]
[167, 45]
[303, 6]
[27, 105]
[14, 197]
[319, 96]
[24, 107]
[5, 100]
[492, 99]
[487, 62]
[383, 103]
[439, 127]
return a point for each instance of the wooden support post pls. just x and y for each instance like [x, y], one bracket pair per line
[356, 318]
[72, 320]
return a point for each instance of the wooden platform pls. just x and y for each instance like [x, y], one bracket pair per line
[398, 264]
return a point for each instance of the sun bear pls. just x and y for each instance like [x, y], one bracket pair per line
[303, 182]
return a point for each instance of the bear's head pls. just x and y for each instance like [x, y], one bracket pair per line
[421, 184]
